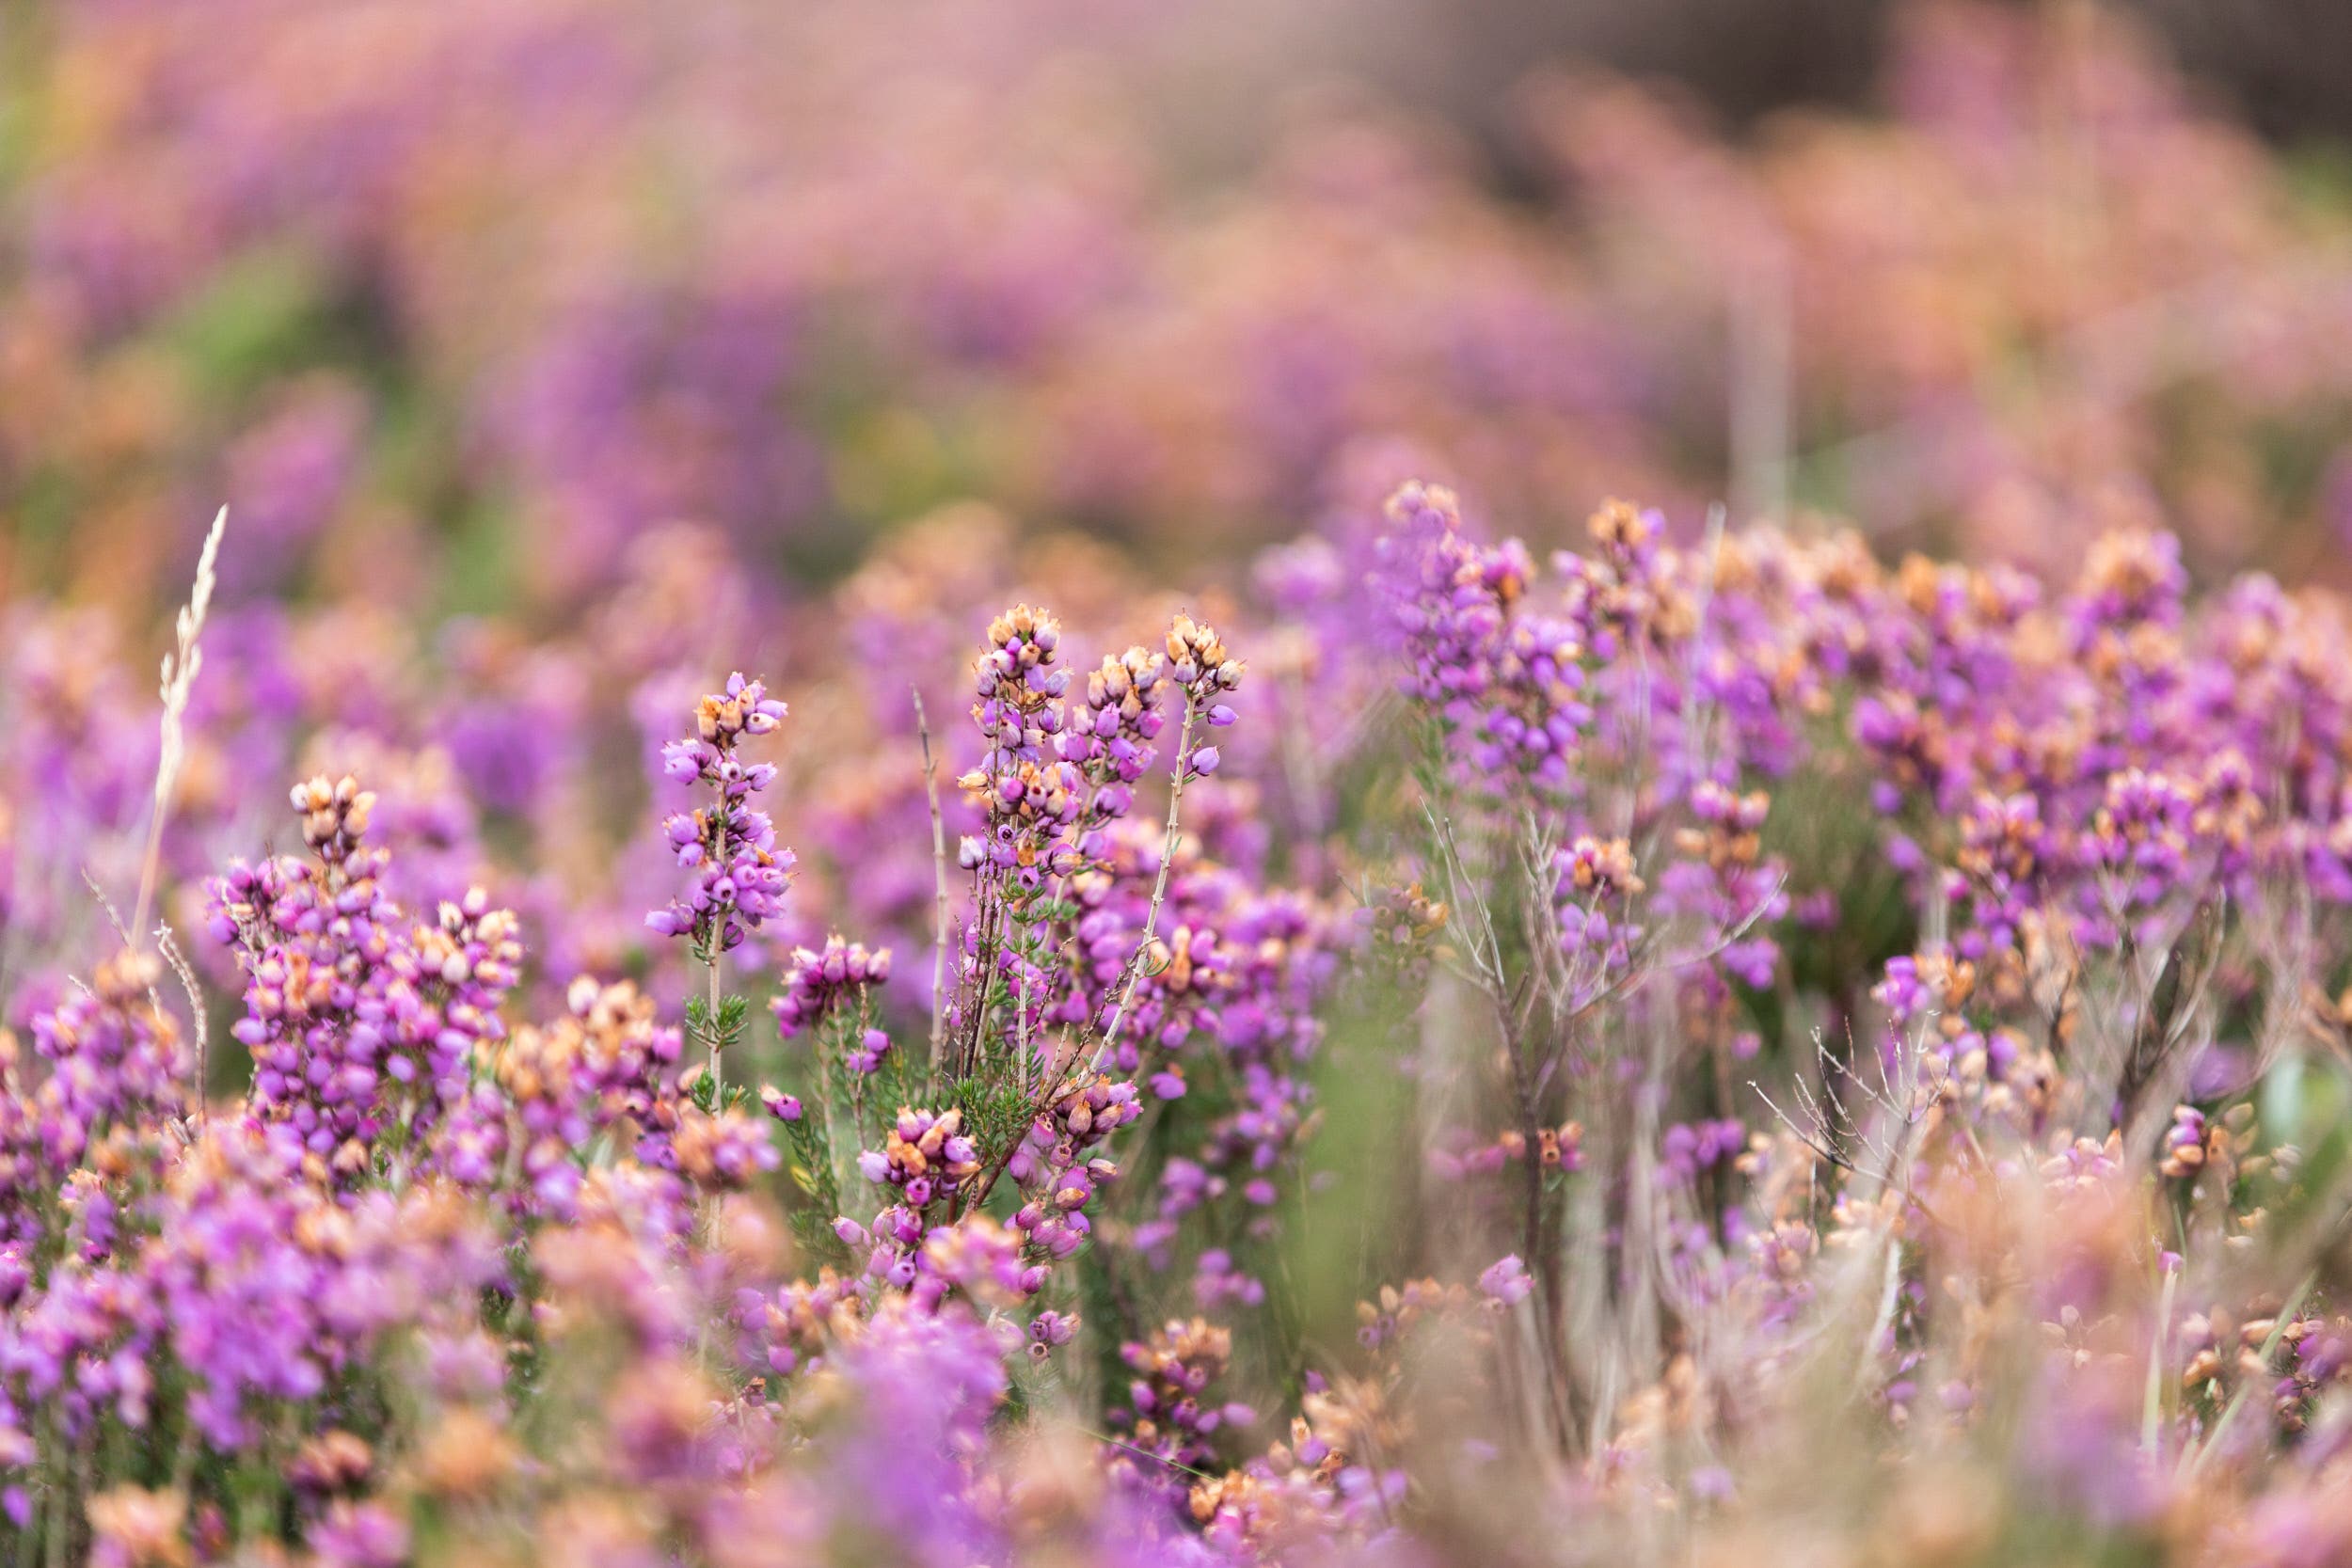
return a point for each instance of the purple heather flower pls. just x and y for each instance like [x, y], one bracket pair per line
[741, 871]
[1506, 1281]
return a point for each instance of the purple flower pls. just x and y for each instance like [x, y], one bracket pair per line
[1506, 1281]
[741, 871]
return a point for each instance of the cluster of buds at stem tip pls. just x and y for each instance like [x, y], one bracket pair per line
[1199, 664]
[817, 982]
[2184, 1143]
[334, 816]
[1060, 767]
[1599, 868]
[1111, 734]
[1032, 795]
[1024, 644]
[1195, 652]
[927, 1156]
[740, 871]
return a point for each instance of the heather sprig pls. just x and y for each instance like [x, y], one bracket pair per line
[740, 872]
[730, 844]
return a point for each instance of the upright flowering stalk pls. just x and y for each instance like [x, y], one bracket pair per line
[832, 997]
[1056, 779]
[362, 1022]
[730, 846]
[1588, 744]
[1036, 800]
[1203, 671]
[1062, 948]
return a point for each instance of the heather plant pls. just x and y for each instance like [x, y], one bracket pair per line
[1717, 1042]
[1755, 1015]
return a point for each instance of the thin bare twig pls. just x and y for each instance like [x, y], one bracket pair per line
[169, 947]
[1902, 1189]
[114, 916]
[939, 873]
[1159, 884]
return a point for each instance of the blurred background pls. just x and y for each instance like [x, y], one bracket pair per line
[556, 357]
[455, 303]
[2277, 64]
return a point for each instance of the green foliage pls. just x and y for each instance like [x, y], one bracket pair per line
[996, 1113]
[721, 1031]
